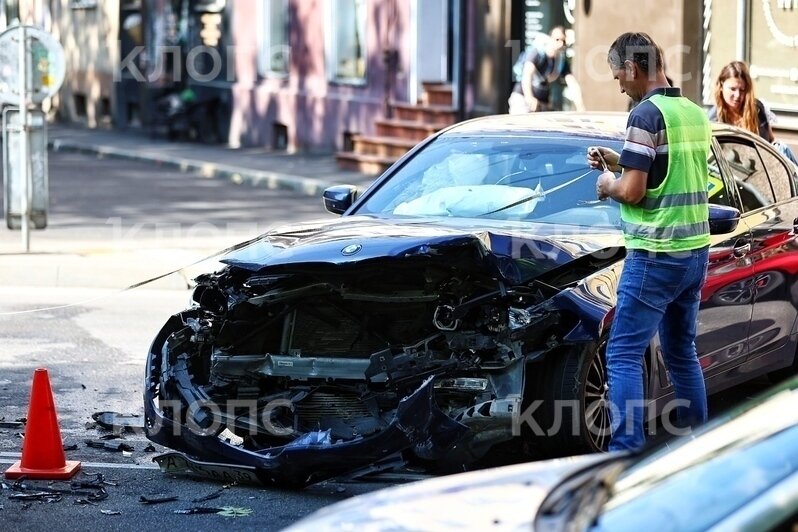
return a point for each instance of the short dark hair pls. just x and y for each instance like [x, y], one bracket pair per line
[638, 48]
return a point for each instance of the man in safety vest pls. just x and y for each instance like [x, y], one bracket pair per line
[663, 195]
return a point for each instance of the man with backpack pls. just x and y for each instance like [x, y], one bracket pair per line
[543, 64]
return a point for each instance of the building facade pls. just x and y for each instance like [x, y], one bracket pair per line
[698, 38]
[310, 74]
[88, 31]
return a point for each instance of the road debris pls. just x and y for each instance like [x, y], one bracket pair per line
[233, 511]
[198, 510]
[156, 500]
[45, 496]
[116, 447]
[110, 512]
[119, 423]
[91, 492]
[215, 495]
[226, 511]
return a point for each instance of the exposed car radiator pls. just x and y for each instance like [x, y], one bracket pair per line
[314, 336]
[321, 405]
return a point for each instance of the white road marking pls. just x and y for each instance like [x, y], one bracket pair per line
[10, 458]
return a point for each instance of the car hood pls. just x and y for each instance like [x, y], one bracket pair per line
[512, 250]
[505, 498]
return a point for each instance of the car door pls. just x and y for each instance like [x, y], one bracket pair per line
[774, 256]
[727, 297]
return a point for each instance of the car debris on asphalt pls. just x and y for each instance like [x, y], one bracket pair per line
[108, 446]
[119, 423]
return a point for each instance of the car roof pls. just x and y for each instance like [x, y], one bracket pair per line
[590, 124]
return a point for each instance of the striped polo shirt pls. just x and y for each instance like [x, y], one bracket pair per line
[646, 145]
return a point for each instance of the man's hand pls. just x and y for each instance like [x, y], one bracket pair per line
[603, 184]
[595, 154]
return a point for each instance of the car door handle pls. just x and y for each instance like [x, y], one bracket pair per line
[741, 249]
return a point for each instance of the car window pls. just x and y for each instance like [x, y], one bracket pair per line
[779, 174]
[541, 179]
[717, 191]
[748, 172]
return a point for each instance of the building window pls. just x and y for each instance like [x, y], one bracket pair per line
[10, 11]
[273, 38]
[346, 41]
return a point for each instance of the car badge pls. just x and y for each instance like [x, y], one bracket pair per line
[351, 249]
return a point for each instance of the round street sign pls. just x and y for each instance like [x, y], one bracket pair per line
[46, 64]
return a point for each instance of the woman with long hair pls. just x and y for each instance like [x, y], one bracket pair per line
[736, 104]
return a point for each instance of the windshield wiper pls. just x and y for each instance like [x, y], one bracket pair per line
[537, 195]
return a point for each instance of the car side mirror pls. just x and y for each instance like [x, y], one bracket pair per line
[722, 219]
[339, 198]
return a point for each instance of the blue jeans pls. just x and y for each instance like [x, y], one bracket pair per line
[657, 291]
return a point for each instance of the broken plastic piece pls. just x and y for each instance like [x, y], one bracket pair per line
[37, 496]
[179, 463]
[215, 495]
[156, 500]
[199, 510]
[117, 447]
[119, 422]
[110, 512]
[313, 438]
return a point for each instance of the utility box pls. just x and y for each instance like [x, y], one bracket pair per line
[12, 165]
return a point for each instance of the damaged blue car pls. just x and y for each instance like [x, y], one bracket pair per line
[458, 310]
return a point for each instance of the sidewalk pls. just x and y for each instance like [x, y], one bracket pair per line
[307, 174]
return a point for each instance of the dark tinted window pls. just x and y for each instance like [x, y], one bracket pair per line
[780, 176]
[748, 172]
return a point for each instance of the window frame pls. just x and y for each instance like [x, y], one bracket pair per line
[753, 144]
[265, 65]
[791, 173]
[331, 52]
[727, 176]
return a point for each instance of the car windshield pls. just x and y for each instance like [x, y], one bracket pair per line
[540, 178]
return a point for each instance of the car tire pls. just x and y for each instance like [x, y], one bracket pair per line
[574, 396]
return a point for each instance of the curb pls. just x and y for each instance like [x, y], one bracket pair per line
[261, 178]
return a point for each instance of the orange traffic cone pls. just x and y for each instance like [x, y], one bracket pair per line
[42, 449]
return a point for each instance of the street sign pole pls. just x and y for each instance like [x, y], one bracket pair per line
[37, 61]
[23, 140]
